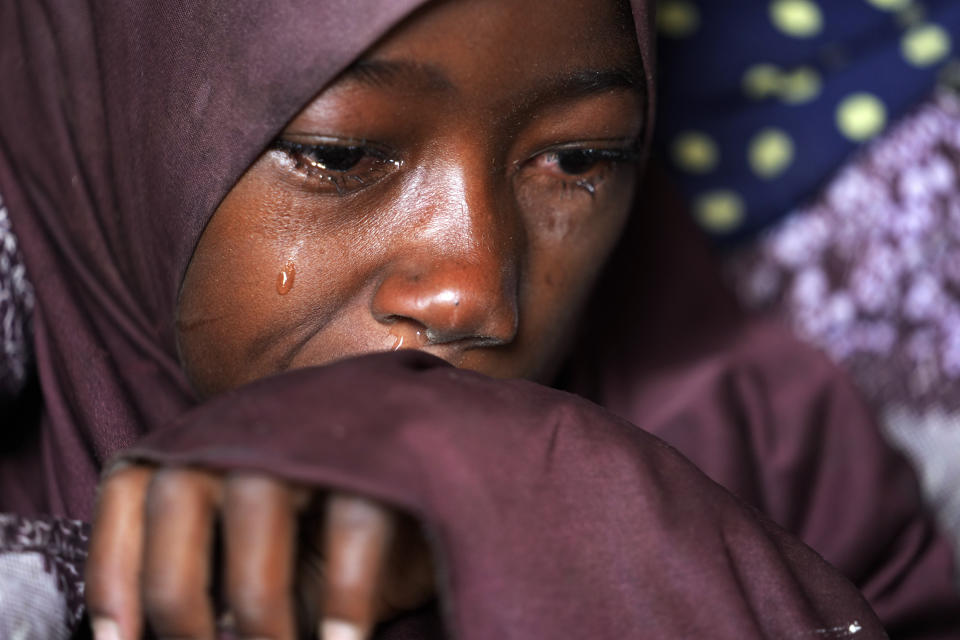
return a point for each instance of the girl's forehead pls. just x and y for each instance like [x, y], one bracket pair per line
[500, 31]
[509, 54]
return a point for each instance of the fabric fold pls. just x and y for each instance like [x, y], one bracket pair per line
[511, 479]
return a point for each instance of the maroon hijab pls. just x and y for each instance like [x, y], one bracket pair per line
[128, 123]
[124, 126]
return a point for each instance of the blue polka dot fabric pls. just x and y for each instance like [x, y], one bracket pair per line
[761, 100]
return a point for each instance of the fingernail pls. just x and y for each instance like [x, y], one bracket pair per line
[105, 629]
[332, 629]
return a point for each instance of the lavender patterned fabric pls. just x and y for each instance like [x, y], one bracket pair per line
[16, 305]
[870, 272]
[41, 561]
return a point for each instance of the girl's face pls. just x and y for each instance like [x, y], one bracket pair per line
[456, 190]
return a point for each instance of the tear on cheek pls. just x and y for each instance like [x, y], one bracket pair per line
[285, 278]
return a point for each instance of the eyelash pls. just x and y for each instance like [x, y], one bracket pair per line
[315, 162]
[607, 157]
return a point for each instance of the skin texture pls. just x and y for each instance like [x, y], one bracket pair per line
[475, 169]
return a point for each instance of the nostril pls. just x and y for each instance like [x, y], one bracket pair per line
[469, 341]
[407, 339]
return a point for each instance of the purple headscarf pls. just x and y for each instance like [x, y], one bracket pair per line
[128, 126]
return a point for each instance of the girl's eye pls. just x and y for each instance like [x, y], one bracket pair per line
[336, 158]
[575, 162]
[337, 169]
[580, 169]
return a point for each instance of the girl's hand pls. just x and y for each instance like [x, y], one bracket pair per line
[282, 573]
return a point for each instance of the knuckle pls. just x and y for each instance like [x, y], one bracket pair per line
[124, 486]
[169, 604]
[122, 474]
[348, 512]
[169, 487]
[349, 601]
[256, 606]
[98, 599]
[251, 489]
[97, 583]
[119, 489]
[351, 585]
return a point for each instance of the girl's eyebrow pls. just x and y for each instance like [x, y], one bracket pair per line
[573, 85]
[407, 75]
[399, 74]
[582, 82]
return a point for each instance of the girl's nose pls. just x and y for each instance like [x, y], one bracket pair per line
[455, 278]
[450, 299]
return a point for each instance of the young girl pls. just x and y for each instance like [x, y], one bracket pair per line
[250, 295]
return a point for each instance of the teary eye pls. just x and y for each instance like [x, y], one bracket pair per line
[337, 158]
[582, 168]
[329, 157]
[576, 161]
[333, 168]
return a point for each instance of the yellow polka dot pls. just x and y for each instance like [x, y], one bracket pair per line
[890, 5]
[720, 211]
[695, 152]
[771, 152]
[925, 45]
[797, 18]
[861, 116]
[677, 18]
[760, 80]
[799, 86]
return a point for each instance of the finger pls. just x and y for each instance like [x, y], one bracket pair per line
[260, 532]
[409, 581]
[181, 506]
[113, 564]
[358, 533]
